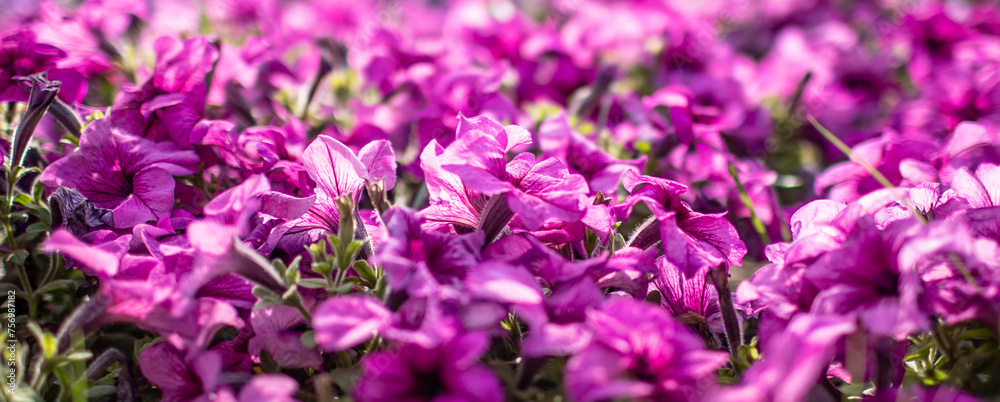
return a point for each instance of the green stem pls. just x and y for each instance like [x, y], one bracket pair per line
[304, 312]
[871, 170]
[32, 302]
[719, 277]
[12, 241]
[942, 342]
[758, 225]
[344, 360]
[54, 264]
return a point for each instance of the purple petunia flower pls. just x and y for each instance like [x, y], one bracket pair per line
[793, 361]
[693, 241]
[272, 328]
[780, 287]
[21, 56]
[959, 272]
[199, 378]
[864, 279]
[474, 169]
[168, 105]
[451, 372]
[637, 351]
[690, 299]
[131, 176]
[337, 172]
[181, 378]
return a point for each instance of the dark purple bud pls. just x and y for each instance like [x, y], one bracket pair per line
[73, 211]
[43, 93]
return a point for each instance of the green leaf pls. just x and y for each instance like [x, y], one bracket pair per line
[267, 364]
[101, 391]
[292, 276]
[618, 242]
[356, 280]
[335, 242]
[308, 339]
[344, 288]
[141, 345]
[17, 257]
[295, 263]
[348, 257]
[322, 268]
[79, 356]
[49, 344]
[292, 291]
[38, 192]
[264, 293]
[65, 285]
[70, 139]
[23, 199]
[313, 283]
[35, 228]
[279, 266]
[346, 378]
[978, 333]
[366, 271]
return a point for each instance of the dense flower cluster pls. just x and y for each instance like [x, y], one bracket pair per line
[488, 200]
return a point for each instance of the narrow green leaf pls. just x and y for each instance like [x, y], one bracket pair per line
[65, 285]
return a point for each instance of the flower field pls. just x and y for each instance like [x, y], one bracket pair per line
[500, 200]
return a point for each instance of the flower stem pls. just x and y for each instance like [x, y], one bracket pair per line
[871, 170]
[12, 241]
[758, 225]
[719, 277]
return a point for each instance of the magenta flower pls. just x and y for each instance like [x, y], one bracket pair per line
[562, 330]
[979, 189]
[690, 299]
[637, 351]
[21, 56]
[781, 287]
[273, 332]
[168, 105]
[958, 271]
[451, 372]
[474, 169]
[337, 171]
[131, 176]
[451, 201]
[847, 181]
[199, 378]
[691, 240]
[793, 362]
[254, 210]
[419, 262]
[863, 279]
[180, 378]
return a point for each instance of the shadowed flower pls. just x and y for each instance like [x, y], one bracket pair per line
[131, 176]
[690, 299]
[21, 56]
[637, 351]
[863, 278]
[451, 372]
[199, 378]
